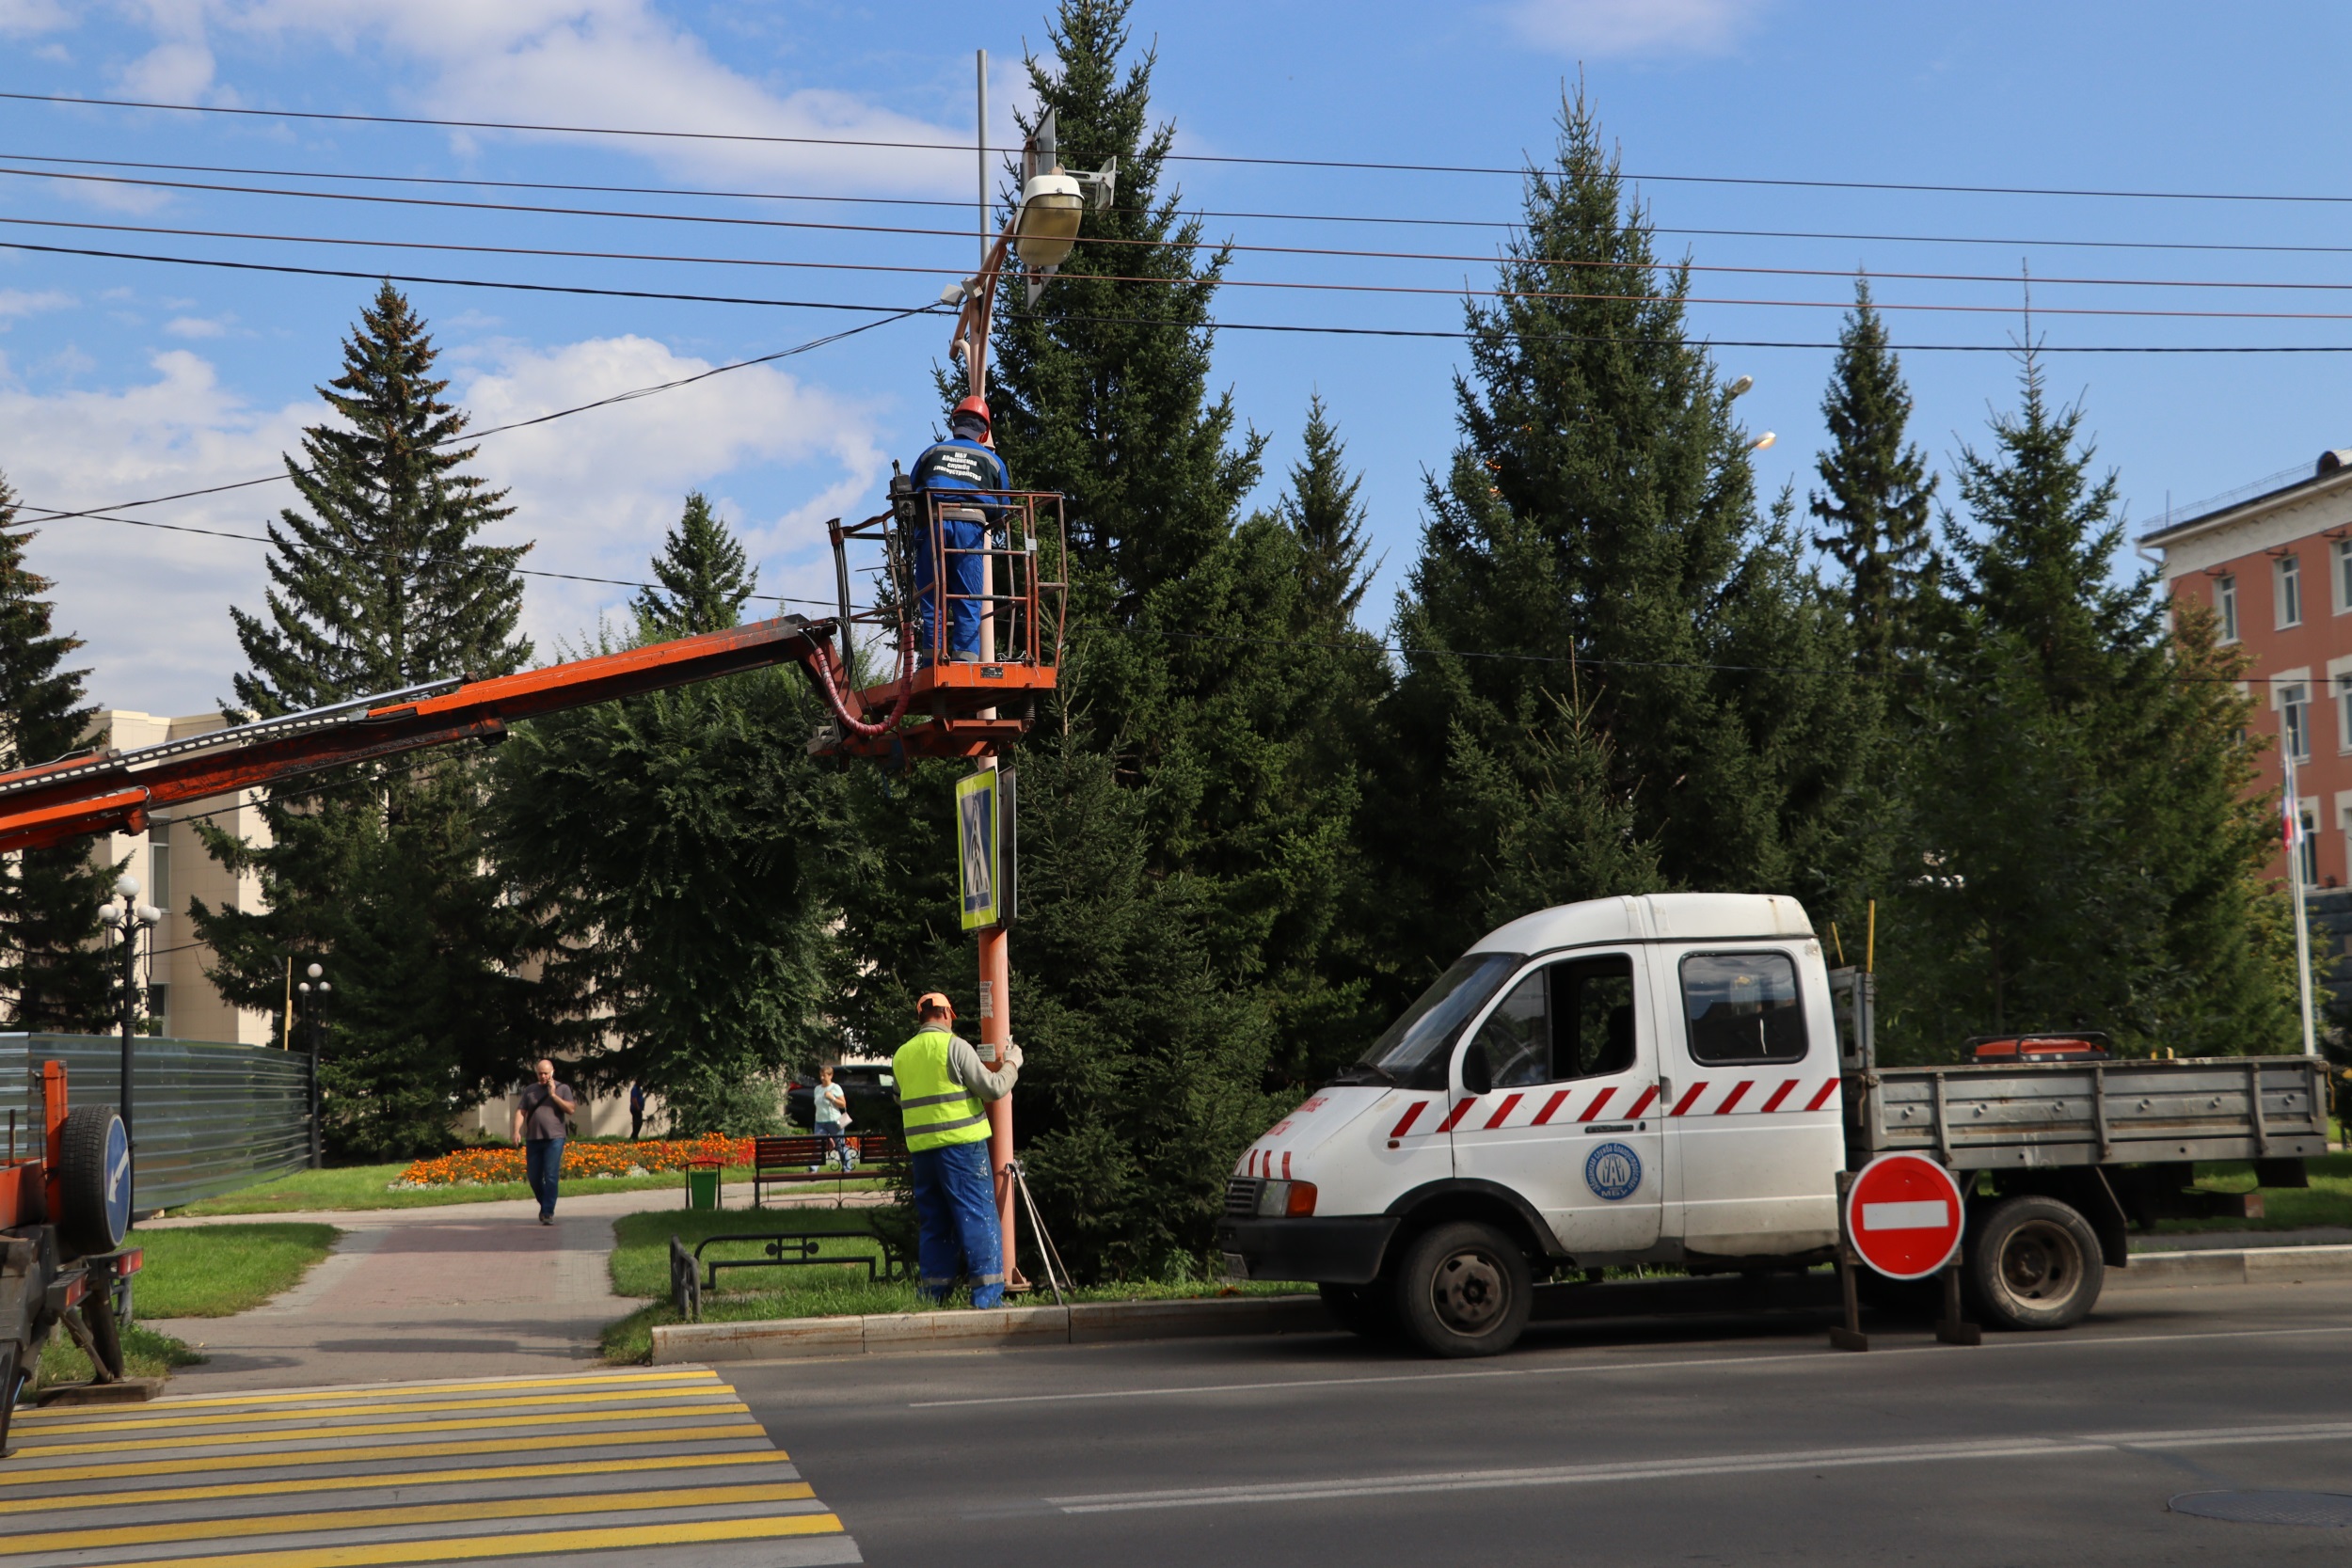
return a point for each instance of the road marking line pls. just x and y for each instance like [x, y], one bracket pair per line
[17, 1472]
[403, 1390]
[542, 1542]
[47, 1444]
[1808, 1359]
[117, 1420]
[293, 1486]
[1720, 1464]
[421, 1514]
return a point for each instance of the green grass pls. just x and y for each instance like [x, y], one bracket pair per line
[212, 1271]
[145, 1354]
[349, 1187]
[2327, 1201]
[639, 1266]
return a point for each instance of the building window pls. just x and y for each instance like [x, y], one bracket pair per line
[2309, 846]
[2344, 576]
[159, 1010]
[2225, 606]
[2295, 721]
[159, 863]
[2290, 592]
[2344, 712]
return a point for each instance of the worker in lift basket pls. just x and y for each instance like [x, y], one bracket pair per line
[942, 1085]
[963, 463]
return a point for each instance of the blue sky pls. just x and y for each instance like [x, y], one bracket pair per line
[122, 379]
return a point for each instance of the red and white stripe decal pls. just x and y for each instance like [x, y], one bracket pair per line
[1599, 1100]
[1708, 1097]
[1286, 1165]
[1689, 1098]
[1821, 1099]
[1502, 1111]
[1551, 1105]
[1643, 1104]
[1455, 1115]
[1778, 1095]
[1404, 1122]
[1733, 1098]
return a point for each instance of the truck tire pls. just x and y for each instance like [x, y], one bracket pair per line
[93, 1170]
[1463, 1289]
[10, 1380]
[2034, 1264]
[1369, 1310]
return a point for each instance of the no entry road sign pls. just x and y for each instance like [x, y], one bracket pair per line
[1903, 1215]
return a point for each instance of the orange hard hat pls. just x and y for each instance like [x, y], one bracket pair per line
[933, 1002]
[971, 408]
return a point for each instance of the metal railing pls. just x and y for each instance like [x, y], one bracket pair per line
[210, 1117]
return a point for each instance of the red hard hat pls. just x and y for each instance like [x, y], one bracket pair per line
[971, 408]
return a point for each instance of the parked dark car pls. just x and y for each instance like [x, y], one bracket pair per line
[873, 1100]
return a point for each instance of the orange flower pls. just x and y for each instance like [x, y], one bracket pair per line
[504, 1163]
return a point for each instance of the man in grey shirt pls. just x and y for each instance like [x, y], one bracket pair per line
[539, 1127]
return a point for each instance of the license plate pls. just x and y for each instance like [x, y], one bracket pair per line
[1236, 1266]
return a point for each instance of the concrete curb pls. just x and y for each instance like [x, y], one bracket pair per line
[912, 1332]
[2276, 1265]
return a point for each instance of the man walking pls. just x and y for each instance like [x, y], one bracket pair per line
[941, 1086]
[539, 1128]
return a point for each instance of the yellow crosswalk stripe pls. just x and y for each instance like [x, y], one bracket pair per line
[395, 1390]
[471, 1548]
[422, 1513]
[16, 1473]
[153, 1416]
[293, 1486]
[56, 1443]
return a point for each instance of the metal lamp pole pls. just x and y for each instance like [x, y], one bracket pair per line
[313, 1004]
[125, 916]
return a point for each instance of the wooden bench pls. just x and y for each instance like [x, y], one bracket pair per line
[783, 1162]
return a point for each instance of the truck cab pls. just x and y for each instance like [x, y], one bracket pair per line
[1632, 1079]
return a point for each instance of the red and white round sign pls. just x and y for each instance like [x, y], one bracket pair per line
[1903, 1215]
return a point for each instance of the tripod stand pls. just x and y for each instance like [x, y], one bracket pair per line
[1057, 1276]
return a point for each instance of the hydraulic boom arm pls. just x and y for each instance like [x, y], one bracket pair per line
[109, 791]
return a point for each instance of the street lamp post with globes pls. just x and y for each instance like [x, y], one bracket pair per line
[313, 1002]
[124, 915]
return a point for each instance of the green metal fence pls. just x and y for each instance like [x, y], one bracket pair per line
[206, 1117]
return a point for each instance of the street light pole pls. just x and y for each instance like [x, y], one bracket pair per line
[313, 1004]
[126, 916]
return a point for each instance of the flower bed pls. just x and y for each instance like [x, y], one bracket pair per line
[504, 1163]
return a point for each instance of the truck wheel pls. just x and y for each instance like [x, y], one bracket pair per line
[10, 1380]
[1464, 1290]
[2035, 1264]
[1365, 1309]
[94, 1169]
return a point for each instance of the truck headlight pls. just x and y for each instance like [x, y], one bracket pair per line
[1286, 1200]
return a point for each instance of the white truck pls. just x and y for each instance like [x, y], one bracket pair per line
[1678, 1079]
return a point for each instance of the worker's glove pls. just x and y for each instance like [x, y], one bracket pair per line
[1012, 1054]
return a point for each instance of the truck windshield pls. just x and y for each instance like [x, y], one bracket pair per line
[1422, 1036]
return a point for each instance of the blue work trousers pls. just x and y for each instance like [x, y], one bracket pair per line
[966, 575]
[954, 1204]
[543, 1163]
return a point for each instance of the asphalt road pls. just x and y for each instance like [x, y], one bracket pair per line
[1711, 1442]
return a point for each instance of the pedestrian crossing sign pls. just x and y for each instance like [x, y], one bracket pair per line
[984, 849]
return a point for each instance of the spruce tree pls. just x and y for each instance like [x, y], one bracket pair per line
[2089, 847]
[378, 581]
[1877, 494]
[677, 851]
[702, 575]
[53, 974]
[1596, 598]
[1323, 513]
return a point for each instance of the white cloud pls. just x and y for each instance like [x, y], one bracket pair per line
[25, 18]
[195, 326]
[21, 302]
[616, 62]
[1598, 27]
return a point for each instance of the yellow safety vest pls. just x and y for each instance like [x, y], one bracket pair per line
[938, 1111]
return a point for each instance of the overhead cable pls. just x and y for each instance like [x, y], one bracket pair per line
[1514, 171]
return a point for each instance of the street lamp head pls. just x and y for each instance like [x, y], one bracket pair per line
[1050, 206]
[313, 971]
[1763, 441]
[325, 988]
[110, 915]
[127, 885]
[303, 986]
[1740, 386]
[149, 914]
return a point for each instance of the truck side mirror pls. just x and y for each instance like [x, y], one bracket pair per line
[1477, 1074]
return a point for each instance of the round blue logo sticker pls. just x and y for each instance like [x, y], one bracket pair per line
[1612, 1171]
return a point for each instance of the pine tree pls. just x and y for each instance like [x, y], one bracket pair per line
[1323, 513]
[1596, 601]
[52, 975]
[1878, 493]
[378, 583]
[703, 576]
[2090, 851]
[677, 851]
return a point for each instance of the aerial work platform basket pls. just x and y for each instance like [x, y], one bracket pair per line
[939, 702]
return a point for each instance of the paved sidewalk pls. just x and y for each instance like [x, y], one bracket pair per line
[456, 1291]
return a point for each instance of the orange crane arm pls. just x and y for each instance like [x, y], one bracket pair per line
[109, 791]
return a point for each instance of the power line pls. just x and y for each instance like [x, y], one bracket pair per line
[1518, 171]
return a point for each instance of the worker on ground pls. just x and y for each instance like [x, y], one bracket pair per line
[943, 1085]
[959, 466]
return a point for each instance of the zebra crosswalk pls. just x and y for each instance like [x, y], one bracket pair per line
[666, 1465]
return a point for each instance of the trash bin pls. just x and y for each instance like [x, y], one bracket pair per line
[701, 1187]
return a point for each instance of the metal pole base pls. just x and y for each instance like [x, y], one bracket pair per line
[1950, 1330]
[1847, 1338]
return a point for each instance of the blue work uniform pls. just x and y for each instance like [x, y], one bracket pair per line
[945, 468]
